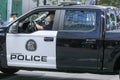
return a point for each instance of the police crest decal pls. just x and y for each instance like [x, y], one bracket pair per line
[31, 45]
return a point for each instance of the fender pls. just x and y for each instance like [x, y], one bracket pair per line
[110, 60]
[116, 61]
[3, 59]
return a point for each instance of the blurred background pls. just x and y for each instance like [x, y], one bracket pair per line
[22, 6]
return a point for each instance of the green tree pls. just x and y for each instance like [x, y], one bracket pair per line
[110, 2]
[3, 9]
[17, 7]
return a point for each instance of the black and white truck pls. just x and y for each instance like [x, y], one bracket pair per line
[82, 39]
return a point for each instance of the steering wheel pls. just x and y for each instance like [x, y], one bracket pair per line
[31, 27]
[42, 23]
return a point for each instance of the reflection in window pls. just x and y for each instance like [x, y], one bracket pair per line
[79, 20]
[112, 25]
[112, 17]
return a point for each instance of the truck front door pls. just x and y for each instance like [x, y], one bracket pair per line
[27, 47]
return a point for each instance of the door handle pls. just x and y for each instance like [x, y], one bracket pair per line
[90, 40]
[48, 39]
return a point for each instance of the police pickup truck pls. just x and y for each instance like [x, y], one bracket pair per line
[82, 39]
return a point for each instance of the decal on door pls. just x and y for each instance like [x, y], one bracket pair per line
[31, 45]
[20, 57]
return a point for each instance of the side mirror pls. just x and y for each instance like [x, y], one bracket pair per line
[13, 29]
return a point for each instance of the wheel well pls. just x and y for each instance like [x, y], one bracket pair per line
[117, 65]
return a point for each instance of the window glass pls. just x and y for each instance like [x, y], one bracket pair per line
[112, 17]
[35, 21]
[108, 19]
[112, 23]
[79, 20]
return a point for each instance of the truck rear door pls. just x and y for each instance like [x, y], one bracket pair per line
[79, 40]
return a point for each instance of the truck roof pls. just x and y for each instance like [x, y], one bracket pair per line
[77, 6]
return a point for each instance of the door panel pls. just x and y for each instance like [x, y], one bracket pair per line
[77, 52]
[36, 50]
[79, 44]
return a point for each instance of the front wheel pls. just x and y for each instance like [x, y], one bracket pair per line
[9, 70]
[119, 74]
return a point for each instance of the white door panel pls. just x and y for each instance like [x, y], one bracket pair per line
[43, 57]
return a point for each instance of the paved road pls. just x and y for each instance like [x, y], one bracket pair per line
[41, 75]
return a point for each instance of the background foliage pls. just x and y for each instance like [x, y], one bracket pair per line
[3, 9]
[110, 2]
[103, 2]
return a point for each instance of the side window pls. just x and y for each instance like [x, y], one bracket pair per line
[40, 20]
[108, 19]
[108, 22]
[111, 22]
[79, 20]
[112, 16]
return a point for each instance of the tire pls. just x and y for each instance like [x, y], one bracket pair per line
[119, 74]
[9, 70]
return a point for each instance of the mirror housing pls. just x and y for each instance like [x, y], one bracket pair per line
[13, 29]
